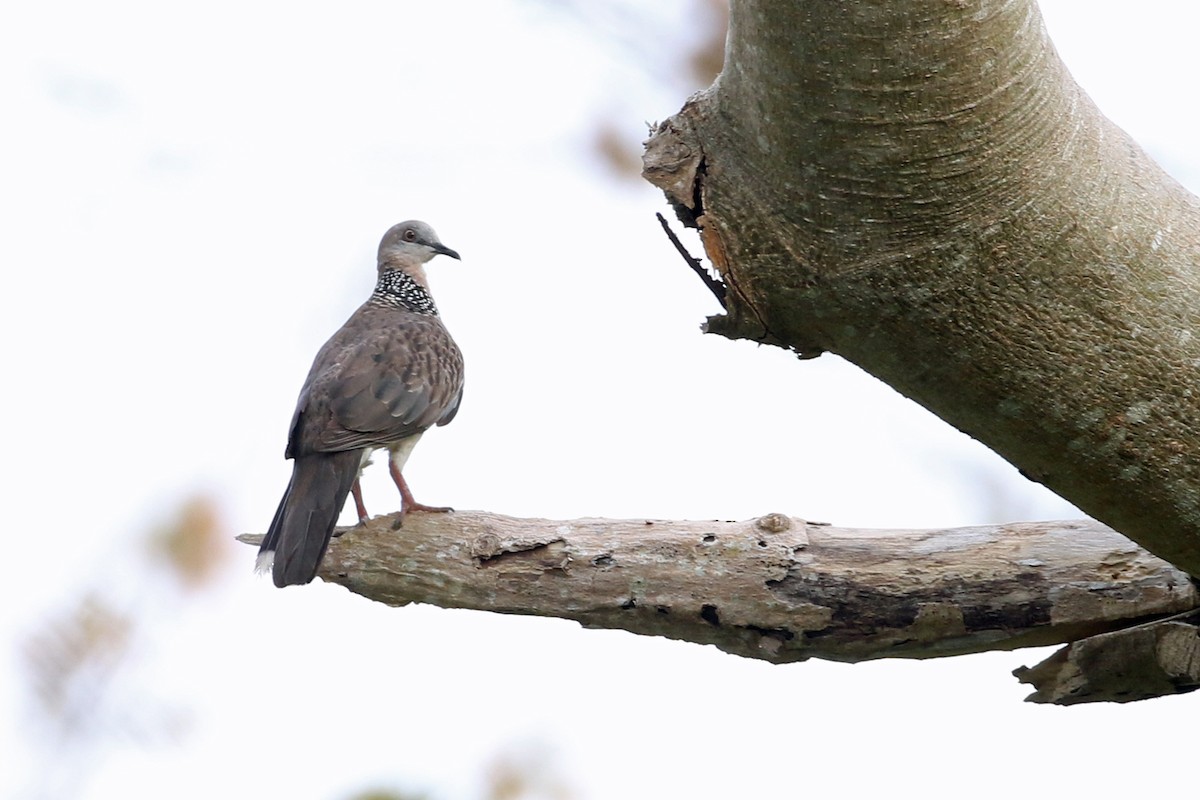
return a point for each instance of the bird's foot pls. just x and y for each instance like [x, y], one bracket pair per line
[430, 509]
[399, 523]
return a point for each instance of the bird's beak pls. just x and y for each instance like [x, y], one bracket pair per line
[438, 247]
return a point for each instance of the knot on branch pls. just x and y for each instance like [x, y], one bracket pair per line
[671, 161]
[774, 523]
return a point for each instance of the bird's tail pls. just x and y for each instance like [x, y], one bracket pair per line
[303, 524]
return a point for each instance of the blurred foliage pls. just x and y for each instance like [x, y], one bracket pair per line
[72, 655]
[688, 61]
[619, 154]
[386, 794]
[528, 774]
[84, 662]
[194, 546]
[707, 57]
[531, 772]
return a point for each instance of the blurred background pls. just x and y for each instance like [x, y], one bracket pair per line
[193, 196]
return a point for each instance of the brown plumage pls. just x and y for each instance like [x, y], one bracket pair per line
[389, 373]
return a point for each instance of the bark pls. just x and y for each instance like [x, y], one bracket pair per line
[776, 588]
[921, 188]
[1120, 667]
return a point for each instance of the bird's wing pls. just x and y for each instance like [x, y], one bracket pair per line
[385, 376]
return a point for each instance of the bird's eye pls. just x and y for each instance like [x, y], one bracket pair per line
[410, 236]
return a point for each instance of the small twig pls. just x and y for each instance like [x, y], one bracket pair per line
[715, 286]
[1181, 616]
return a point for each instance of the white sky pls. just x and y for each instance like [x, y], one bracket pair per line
[194, 196]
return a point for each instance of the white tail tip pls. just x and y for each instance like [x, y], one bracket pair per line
[264, 562]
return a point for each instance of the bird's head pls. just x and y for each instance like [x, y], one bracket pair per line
[409, 245]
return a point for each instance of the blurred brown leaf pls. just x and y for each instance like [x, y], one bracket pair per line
[708, 57]
[617, 151]
[195, 544]
[699, 63]
[525, 775]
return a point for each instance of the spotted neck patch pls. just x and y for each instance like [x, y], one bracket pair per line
[399, 290]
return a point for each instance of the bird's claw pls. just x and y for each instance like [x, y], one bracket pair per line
[399, 521]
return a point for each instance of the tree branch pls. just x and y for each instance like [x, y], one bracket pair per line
[715, 286]
[776, 588]
[921, 188]
[1136, 663]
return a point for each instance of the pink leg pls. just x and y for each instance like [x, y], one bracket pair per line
[356, 490]
[406, 496]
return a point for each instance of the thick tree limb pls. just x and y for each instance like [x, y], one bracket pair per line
[775, 588]
[922, 188]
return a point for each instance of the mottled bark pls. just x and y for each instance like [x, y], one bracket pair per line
[923, 189]
[775, 588]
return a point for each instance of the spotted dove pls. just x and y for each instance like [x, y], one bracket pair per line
[387, 375]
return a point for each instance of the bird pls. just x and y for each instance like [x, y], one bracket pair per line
[387, 375]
